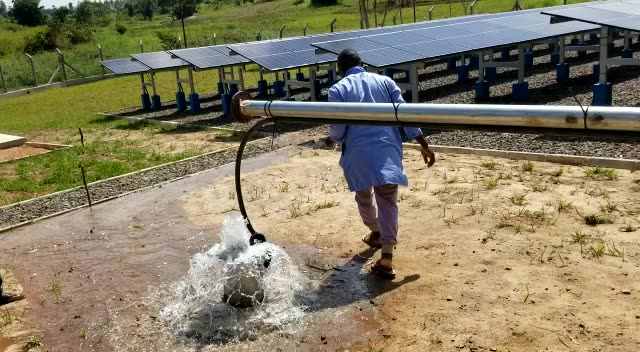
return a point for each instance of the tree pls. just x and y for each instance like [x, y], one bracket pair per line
[60, 14]
[147, 9]
[3, 9]
[28, 12]
[182, 10]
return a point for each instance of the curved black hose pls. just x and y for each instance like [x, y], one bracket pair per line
[255, 236]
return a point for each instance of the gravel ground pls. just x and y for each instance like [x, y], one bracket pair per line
[438, 86]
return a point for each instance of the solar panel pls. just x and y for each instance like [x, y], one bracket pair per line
[209, 57]
[454, 39]
[294, 52]
[618, 14]
[160, 60]
[124, 66]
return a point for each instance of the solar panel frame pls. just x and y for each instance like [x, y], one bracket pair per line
[480, 35]
[160, 60]
[626, 15]
[124, 66]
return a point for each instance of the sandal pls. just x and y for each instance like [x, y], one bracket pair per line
[373, 240]
[383, 271]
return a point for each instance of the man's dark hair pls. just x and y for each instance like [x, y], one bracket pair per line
[347, 59]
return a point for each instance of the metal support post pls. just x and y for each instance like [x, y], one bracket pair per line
[314, 83]
[101, 56]
[413, 81]
[521, 63]
[333, 25]
[562, 68]
[520, 90]
[194, 99]
[61, 64]
[241, 76]
[602, 89]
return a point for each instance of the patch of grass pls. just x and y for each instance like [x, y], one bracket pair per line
[557, 172]
[598, 249]
[519, 199]
[33, 341]
[55, 288]
[6, 318]
[324, 205]
[597, 219]
[295, 209]
[489, 164]
[599, 173]
[284, 187]
[526, 166]
[580, 237]
[539, 186]
[628, 228]
[491, 183]
[564, 206]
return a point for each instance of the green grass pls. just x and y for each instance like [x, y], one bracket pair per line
[229, 23]
[599, 173]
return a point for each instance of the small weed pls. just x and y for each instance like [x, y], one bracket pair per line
[597, 219]
[628, 228]
[491, 183]
[557, 172]
[599, 173]
[33, 342]
[595, 191]
[324, 205]
[613, 251]
[579, 237]
[295, 209]
[489, 165]
[609, 207]
[526, 166]
[255, 193]
[284, 187]
[539, 186]
[450, 221]
[564, 206]
[6, 318]
[598, 249]
[489, 235]
[83, 333]
[55, 288]
[519, 199]
[231, 195]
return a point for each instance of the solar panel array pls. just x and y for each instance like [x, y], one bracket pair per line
[623, 14]
[209, 57]
[124, 66]
[281, 54]
[160, 60]
[410, 45]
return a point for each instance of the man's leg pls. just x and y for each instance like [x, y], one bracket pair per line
[367, 210]
[387, 201]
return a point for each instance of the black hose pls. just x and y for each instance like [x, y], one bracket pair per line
[256, 237]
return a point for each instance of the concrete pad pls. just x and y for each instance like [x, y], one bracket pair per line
[9, 141]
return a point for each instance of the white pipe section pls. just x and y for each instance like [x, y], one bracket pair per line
[547, 116]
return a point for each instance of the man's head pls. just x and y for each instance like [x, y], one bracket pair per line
[347, 59]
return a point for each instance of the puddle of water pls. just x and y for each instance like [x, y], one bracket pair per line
[234, 271]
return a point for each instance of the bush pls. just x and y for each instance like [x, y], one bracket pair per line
[121, 29]
[168, 40]
[44, 40]
[320, 3]
[77, 34]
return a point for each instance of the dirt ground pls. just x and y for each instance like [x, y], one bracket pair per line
[494, 255]
[20, 152]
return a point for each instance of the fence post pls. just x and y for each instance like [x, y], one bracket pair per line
[414, 11]
[101, 56]
[141, 46]
[61, 64]
[2, 81]
[333, 25]
[472, 7]
[284, 26]
[33, 69]
[215, 38]
[304, 31]
[430, 13]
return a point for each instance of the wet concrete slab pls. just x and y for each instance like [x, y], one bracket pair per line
[80, 268]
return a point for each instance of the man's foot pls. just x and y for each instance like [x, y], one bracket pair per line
[373, 240]
[383, 268]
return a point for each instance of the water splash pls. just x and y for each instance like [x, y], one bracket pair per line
[234, 271]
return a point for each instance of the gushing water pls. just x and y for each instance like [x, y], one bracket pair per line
[231, 274]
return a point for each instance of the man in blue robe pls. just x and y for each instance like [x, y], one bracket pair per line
[372, 155]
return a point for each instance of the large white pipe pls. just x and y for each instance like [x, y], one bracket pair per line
[547, 116]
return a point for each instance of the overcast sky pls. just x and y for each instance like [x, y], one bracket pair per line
[56, 3]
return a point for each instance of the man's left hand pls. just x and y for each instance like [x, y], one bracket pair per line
[428, 156]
